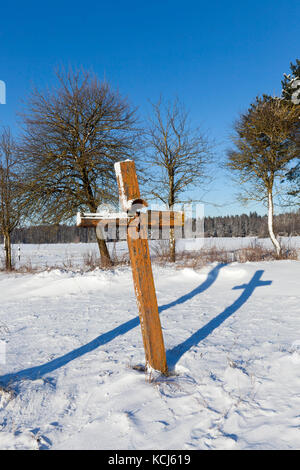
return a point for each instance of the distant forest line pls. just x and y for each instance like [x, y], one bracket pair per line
[244, 225]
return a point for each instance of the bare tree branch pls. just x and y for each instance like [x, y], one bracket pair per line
[73, 135]
[178, 156]
[11, 192]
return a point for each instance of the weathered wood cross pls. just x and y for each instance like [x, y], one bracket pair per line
[137, 224]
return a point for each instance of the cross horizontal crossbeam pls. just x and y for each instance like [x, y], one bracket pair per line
[150, 219]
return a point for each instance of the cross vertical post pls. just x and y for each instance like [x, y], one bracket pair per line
[136, 224]
[142, 270]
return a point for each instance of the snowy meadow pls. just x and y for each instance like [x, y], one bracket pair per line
[72, 340]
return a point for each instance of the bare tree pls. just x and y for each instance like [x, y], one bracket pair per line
[11, 202]
[73, 136]
[178, 155]
[265, 146]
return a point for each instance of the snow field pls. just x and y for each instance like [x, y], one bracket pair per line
[233, 348]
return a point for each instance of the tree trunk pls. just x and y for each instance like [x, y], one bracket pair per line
[172, 246]
[270, 223]
[7, 247]
[106, 260]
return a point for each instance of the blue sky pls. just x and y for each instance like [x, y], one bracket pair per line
[215, 56]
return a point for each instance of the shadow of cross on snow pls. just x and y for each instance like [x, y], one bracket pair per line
[36, 372]
[173, 355]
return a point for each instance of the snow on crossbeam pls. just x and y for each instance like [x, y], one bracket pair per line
[93, 219]
[150, 219]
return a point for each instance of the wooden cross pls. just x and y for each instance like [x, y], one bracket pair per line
[137, 224]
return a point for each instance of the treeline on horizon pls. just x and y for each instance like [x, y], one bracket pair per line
[244, 225]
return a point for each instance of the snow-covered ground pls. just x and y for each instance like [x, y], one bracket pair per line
[232, 334]
[74, 254]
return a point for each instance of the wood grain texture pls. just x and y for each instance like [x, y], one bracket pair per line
[142, 271]
[154, 219]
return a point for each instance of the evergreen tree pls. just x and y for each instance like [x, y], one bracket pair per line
[291, 92]
[263, 150]
[291, 83]
[293, 176]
